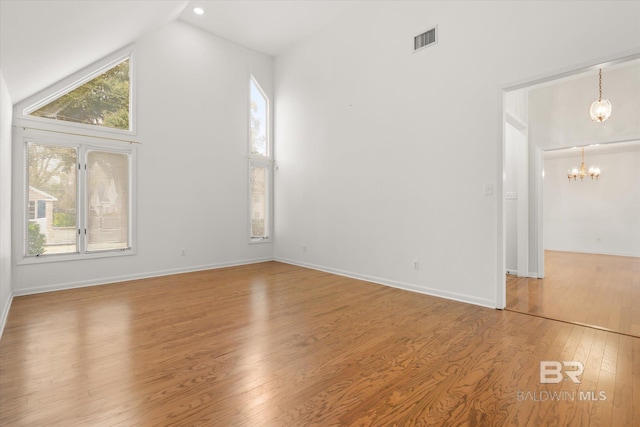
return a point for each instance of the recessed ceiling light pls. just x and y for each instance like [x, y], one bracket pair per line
[198, 10]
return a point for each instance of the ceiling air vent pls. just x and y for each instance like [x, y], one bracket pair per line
[425, 39]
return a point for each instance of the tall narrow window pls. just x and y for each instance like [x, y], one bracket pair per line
[259, 140]
[102, 101]
[259, 201]
[260, 164]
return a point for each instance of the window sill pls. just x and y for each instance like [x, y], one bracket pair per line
[26, 260]
[254, 241]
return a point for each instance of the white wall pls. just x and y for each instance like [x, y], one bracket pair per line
[5, 202]
[516, 209]
[383, 154]
[601, 216]
[192, 91]
[511, 205]
[516, 182]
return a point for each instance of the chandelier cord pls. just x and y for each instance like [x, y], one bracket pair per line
[600, 108]
[600, 86]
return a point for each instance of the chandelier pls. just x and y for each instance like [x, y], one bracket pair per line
[601, 108]
[581, 172]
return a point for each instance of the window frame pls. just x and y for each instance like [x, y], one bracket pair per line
[83, 146]
[43, 130]
[254, 81]
[261, 161]
[87, 208]
[66, 85]
[268, 166]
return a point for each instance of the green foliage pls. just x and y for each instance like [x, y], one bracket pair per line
[63, 219]
[36, 240]
[47, 162]
[52, 169]
[103, 101]
[117, 119]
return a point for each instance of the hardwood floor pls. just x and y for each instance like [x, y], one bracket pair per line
[589, 289]
[277, 345]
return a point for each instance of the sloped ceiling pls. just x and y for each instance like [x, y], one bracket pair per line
[42, 42]
[265, 26]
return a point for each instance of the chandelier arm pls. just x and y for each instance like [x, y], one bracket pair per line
[582, 172]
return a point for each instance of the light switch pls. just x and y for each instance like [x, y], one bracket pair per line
[488, 189]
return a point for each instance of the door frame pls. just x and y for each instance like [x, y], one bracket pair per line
[594, 64]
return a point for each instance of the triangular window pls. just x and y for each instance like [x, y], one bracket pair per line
[102, 101]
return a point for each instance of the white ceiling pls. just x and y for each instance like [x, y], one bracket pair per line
[612, 148]
[42, 42]
[265, 26]
[559, 110]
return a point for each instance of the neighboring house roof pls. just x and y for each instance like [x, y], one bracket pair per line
[41, 195]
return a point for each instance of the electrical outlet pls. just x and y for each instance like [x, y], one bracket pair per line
[416, 264]
[183, 252]
[304, 248]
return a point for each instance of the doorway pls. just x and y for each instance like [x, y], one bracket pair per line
[546, 275]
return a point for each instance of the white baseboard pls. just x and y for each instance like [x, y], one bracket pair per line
[582, 251]
[529, 274]
[124, 278]
[395, 284]
[5, 313]
[381, 281]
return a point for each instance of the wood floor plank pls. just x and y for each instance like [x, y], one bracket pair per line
[623, 386]
[601, 414]
[588, 289]
[635, 386]
[272, 344]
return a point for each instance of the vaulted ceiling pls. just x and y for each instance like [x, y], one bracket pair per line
[44, 41]
[265, 26]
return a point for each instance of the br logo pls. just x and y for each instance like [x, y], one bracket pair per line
[553, 372]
